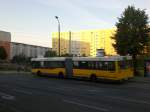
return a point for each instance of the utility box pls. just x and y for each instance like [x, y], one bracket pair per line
[147, 68]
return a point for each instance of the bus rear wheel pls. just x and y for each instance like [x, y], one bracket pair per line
[39, 73]
[60, 75]
[93, 77]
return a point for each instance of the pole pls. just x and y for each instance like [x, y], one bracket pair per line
[58, 35]
[70, 43]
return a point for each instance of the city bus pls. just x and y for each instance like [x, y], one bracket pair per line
[115, 68]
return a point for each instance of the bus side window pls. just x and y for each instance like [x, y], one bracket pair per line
[111, 66]
[76, 64]
[42, 64]
[46, 64]
[100, 66]
[89, 65]
[83, 64]
[57, 64]
[97, 65]
[61, 64]
[36, 64]
[52, 64]
[104, 65]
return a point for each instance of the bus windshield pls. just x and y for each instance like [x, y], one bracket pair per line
[125, 64]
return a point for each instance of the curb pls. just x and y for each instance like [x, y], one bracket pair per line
[13, 72]
[140, 80]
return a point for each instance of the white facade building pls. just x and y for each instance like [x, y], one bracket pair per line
[5, 36]
[27, 50]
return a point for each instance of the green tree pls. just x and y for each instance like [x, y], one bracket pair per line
[83, 55]
[131, 35]
[20, 59]
[50, 54]
[3, 54]
[66, 55]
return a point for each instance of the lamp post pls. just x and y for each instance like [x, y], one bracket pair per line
[58, 35]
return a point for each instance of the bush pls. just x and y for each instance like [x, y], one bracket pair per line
[3, 54]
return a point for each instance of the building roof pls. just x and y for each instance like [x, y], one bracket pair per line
[5, 36]
[30, 45]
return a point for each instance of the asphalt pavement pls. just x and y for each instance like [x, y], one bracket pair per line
[28, 93]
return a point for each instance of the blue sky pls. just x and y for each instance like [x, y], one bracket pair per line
[32, 21]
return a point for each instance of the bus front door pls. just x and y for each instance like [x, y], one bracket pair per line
[69, 68]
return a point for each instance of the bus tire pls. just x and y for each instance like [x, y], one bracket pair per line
[126, 79]
[60, 75]
[93, 77]
[39, 73]
[121, 81]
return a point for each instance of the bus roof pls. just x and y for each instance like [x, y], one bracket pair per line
[49, 59]
[106, 58]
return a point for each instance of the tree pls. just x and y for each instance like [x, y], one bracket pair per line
[3, 54]
[21, 59]
[131, 35]
[67, 55]
[83, 55]
[50, 54]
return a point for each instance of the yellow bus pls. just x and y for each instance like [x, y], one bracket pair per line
[117, 68]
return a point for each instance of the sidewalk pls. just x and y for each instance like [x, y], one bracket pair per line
[14, 72]
[141, 79]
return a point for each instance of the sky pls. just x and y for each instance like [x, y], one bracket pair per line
[33, 21]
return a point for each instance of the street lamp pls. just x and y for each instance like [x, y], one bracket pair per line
[58, 35]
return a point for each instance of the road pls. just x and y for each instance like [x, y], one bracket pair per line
[28, 93]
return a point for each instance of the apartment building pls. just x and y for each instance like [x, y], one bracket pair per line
[85, 42]
[5, 39]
